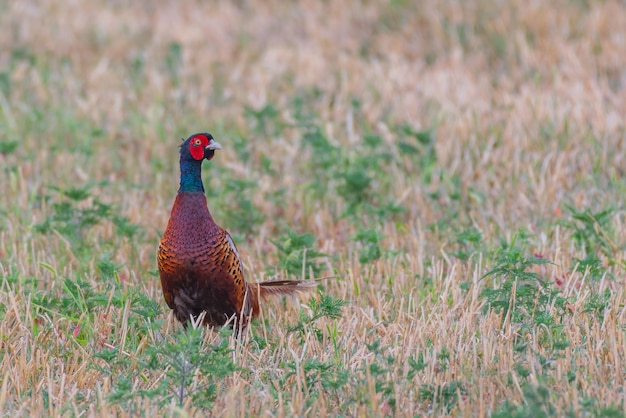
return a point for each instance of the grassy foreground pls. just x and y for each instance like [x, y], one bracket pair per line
[458, 166]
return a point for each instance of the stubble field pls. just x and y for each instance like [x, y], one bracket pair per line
[457, 167]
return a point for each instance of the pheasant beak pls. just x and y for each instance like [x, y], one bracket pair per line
[213, 145]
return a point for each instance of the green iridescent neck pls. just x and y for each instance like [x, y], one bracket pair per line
[190, 176]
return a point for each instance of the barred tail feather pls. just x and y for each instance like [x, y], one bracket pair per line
[260, 291]
[284, 287]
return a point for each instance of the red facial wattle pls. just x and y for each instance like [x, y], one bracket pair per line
[197, 145]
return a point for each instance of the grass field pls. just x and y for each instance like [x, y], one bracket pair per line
[459, 167]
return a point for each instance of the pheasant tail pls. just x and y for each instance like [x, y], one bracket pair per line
[264, 290]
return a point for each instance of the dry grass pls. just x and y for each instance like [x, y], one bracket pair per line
[527, 100]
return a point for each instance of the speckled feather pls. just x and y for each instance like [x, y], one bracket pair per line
[199, 265]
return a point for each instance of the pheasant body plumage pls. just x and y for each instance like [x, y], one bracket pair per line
[198, 261]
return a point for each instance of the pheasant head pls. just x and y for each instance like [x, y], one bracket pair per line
[197, 148]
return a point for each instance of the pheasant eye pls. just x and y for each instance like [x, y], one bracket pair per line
[197, 141]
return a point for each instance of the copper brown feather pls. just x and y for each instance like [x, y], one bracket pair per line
[199, 264]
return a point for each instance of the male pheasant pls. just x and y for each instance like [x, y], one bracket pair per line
[198, 261]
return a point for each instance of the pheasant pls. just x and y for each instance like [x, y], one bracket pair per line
[199, 264]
